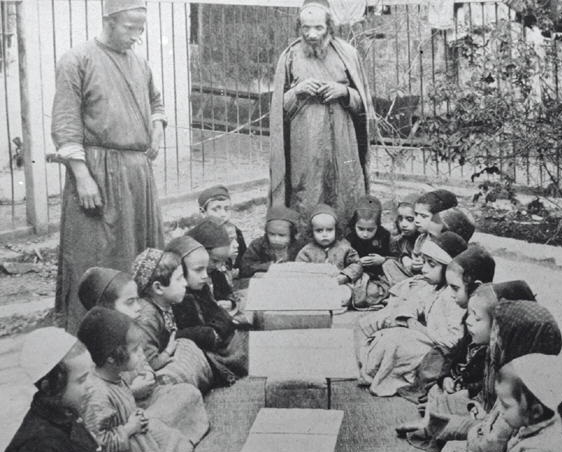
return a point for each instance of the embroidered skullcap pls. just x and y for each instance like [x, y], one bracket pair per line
[438, 200]
[116, 6]
[183, 246]
[444, 247]
[282, 213]
[219, 192]
[370, 206]
[541, 374]
[458, 221]
[95, 282]
[43, 349]
[323, 4]
[323, 209]
[524, 327]
[102, 330]
[477, 262]
[210, 234]
[144, 266]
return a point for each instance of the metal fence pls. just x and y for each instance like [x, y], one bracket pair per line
[214, 61]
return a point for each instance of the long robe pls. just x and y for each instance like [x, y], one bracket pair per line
[319, 151]
[103, 110]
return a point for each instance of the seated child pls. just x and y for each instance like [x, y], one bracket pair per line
[278, 244]
[372, 243]
[327, 246]
[215, 203]
[58, 365]
[217, 243]
[402, 244]
[110, 413]
[177, 405]
[202, 320]
[528, 390]
[393, 347]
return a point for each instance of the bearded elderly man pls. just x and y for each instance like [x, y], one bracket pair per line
[319, 118]
[108, 122]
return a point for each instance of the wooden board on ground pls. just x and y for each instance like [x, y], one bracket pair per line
[293, 294]
[289, 430]
[302, 354]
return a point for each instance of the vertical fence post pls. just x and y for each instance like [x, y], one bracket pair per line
[29, 50]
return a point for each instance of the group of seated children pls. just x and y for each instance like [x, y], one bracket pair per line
[437, 330]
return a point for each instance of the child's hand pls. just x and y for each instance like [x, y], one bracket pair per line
[449, 385]
[143, 385]
[377, 259]
[342, 279]
[407, 262]
[137, 423]
[226, 304]
[172, 344]
[367, 261]
[417, 264]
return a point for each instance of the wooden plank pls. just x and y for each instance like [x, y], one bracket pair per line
[301, 354]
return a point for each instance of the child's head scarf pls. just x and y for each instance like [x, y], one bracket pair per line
[323, 209]
[444, 247]
[95, 282]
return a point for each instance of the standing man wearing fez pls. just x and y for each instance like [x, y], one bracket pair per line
[108, 123]
[319, 117]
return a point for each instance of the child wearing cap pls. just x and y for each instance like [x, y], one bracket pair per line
[111, 413]
[215, 203]
[326, 245]
[202, 320]
[393, 342]
[277, 244]
[528, 390]
[58, 365]
[161, 284]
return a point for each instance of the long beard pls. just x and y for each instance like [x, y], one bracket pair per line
[317, 50]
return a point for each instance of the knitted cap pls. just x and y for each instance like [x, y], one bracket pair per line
[370, 205]
[144, 266]
[282, 213]
[438, 200]
[444, 247]
[324, 4]
[458, 221]
[210, 234]
[183, 246]
[325, 209]
[477, 262]
[116, 6]
[43, 349]
[541, 374]
[94, 283]
[212, 193]
[102, 330]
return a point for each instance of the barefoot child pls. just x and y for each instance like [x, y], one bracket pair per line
[278, 244]
[114, 342]
[327, 246]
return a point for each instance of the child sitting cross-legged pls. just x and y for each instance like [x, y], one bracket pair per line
[528, 391]
[278, 243]
[160, 282]
[110, 412]
[202, 320]
[327, 246]
[178, 405]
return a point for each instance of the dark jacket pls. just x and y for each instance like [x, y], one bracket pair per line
[241, 248]
[202, 320]
[259, 256]
[45, 429]
[379, 244]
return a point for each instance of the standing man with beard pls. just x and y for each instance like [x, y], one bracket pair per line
[319, 119]
[108, 122]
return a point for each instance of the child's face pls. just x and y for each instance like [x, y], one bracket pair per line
[231, 230]
[432, 271]
[324, 229]
[175, 291]
[218, 257]
[479, 321]
[218, 209]
[196, 264]
[515, 413]
[422, 217]
[77, 381]
[457, 286]
[406, 220]
[278, 234]
[128, 301]
[366, 229]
